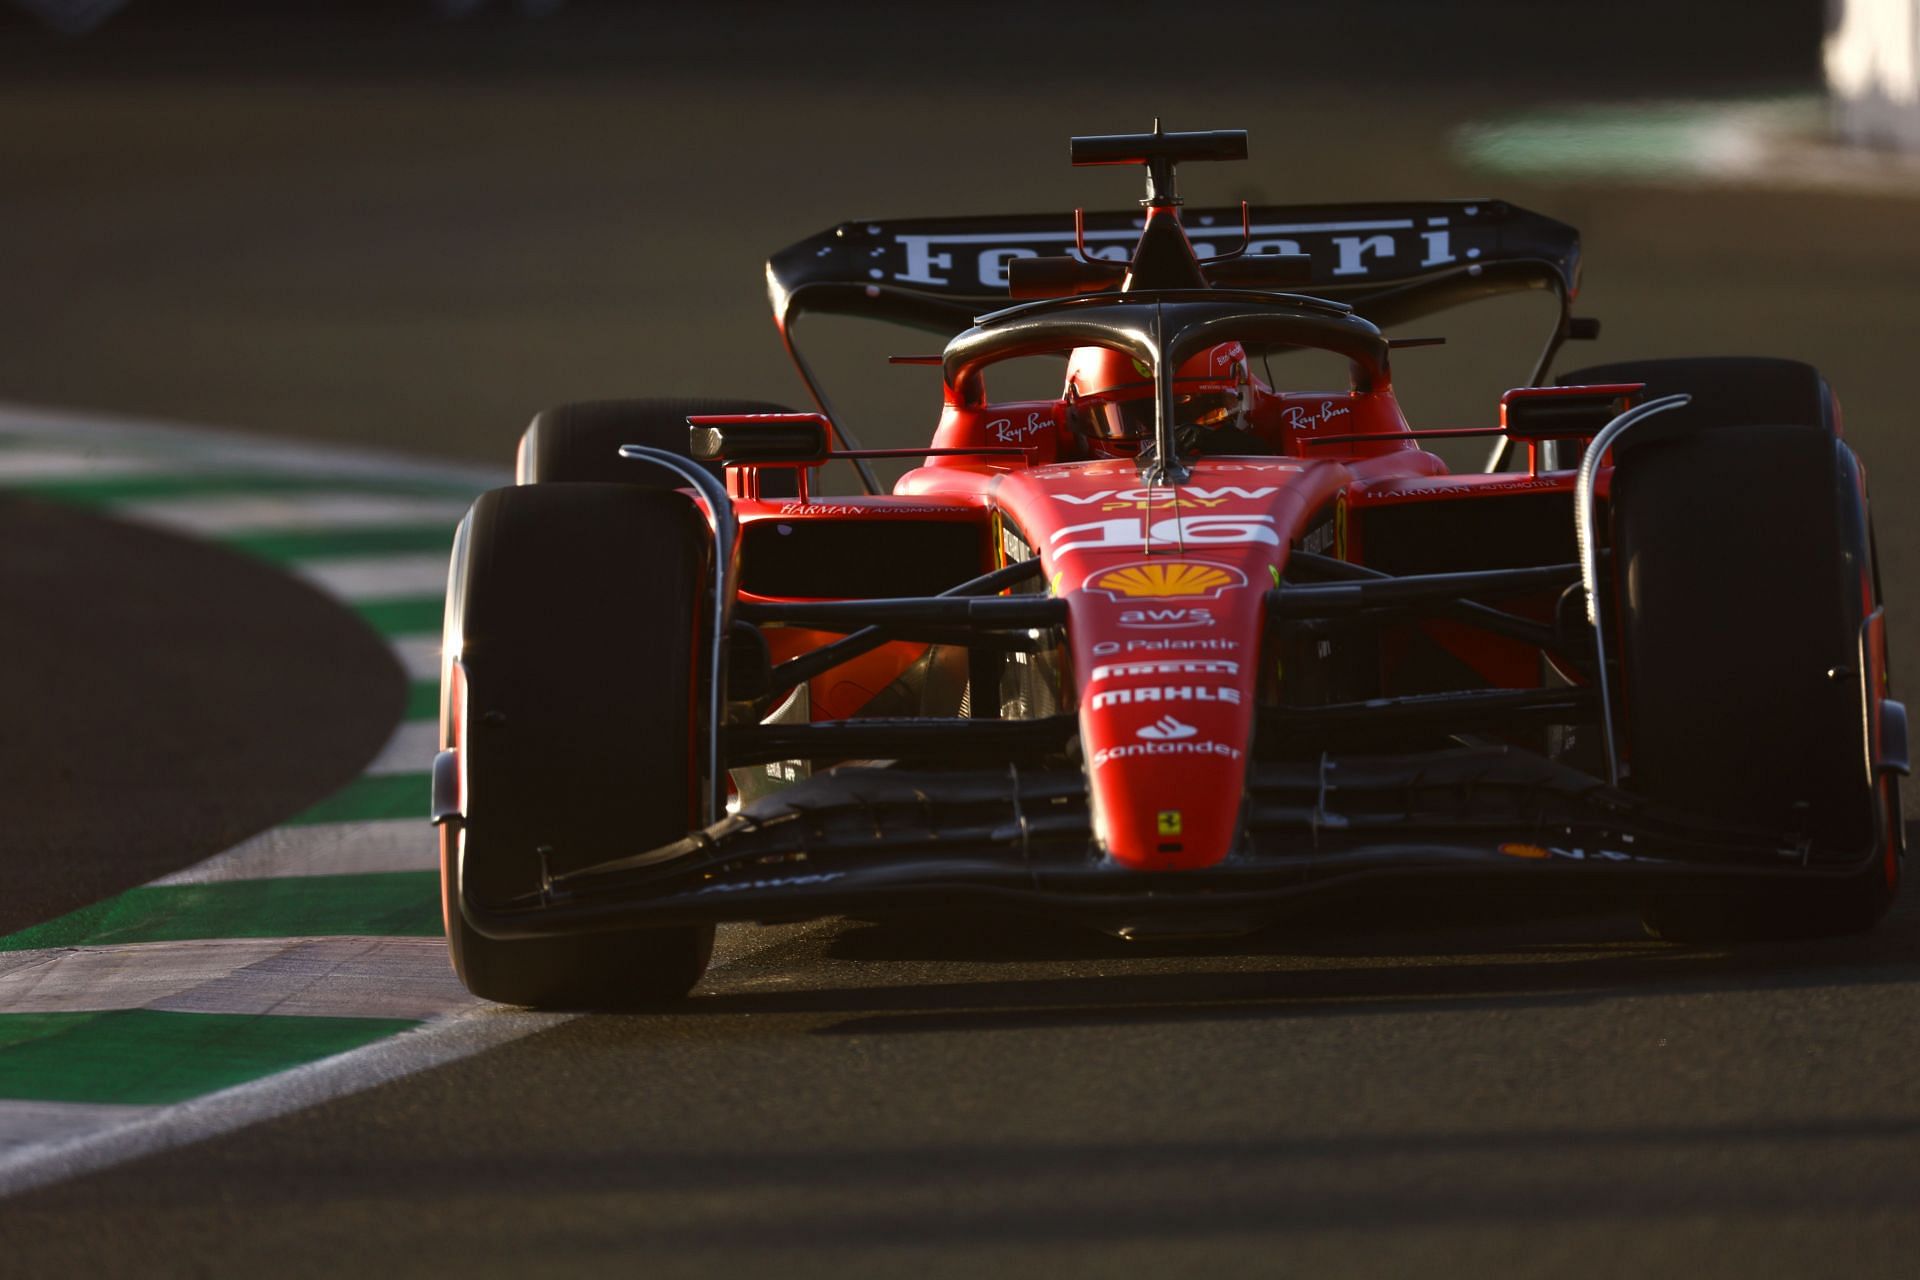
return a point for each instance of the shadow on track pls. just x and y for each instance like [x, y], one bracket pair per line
[1500, 957]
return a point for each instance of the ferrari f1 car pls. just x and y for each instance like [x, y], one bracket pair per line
[1181, 647]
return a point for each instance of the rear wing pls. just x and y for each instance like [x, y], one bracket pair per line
[1390, 261]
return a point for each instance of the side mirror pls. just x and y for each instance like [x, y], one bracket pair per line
[759, 437]
[1563, 413]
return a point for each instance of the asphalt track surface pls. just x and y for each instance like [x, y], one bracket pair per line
[178, 668]
[1353, 1096]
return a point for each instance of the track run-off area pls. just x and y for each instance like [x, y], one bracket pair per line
[304, 961]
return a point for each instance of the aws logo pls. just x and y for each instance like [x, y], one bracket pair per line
[1167, 617]
[1167, 580]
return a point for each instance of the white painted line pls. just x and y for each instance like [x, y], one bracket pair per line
[229, 514]
[152, 1130]
[325, 849]
[28, 1124]
[419, 655]
[308, 977]
[410, 750]
[363, 578]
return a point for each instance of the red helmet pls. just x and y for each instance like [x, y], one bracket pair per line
[1110, 394]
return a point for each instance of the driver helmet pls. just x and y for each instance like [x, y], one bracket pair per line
[1110, 394]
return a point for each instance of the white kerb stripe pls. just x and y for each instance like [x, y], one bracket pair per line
[419, 656]
[147, 1130]
[293, 977]
[364, 578]
[410, 750]
[71, 979]
[238, 513]
[337, 978]
[324, 849]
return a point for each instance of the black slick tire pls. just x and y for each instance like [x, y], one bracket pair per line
[572, 611]
[1743, 562]
[1727, 391]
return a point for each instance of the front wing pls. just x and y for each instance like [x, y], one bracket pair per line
[863, 841]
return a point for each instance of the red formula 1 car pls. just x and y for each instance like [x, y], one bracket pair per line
[1181, 646]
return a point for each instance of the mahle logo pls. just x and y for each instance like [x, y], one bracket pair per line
[1167, 580]
[1223, 694]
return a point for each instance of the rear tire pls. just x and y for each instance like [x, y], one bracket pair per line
[581, 442]
[1727, 391]
[571, 610]
[1742, 554]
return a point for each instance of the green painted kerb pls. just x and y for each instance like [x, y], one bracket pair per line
[291, 548]
[143, 1056]
[403, 617]
[372, 799]
[382, 904]
[423, 700]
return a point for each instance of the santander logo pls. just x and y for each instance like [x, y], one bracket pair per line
[1166, 729]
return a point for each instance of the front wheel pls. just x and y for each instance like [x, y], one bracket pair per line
[571, 642]
[1743, 561]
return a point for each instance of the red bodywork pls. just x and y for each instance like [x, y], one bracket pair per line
[1164, 585]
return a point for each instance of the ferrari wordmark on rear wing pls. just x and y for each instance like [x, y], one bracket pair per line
[937, 271]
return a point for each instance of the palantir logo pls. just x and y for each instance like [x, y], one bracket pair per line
[1167, 729]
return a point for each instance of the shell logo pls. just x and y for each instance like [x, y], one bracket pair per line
[1167, 580]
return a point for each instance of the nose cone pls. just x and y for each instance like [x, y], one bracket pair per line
[1166, 592]
[1168, 650]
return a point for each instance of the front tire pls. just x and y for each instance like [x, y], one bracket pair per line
[1742, 554]
[572, 639]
